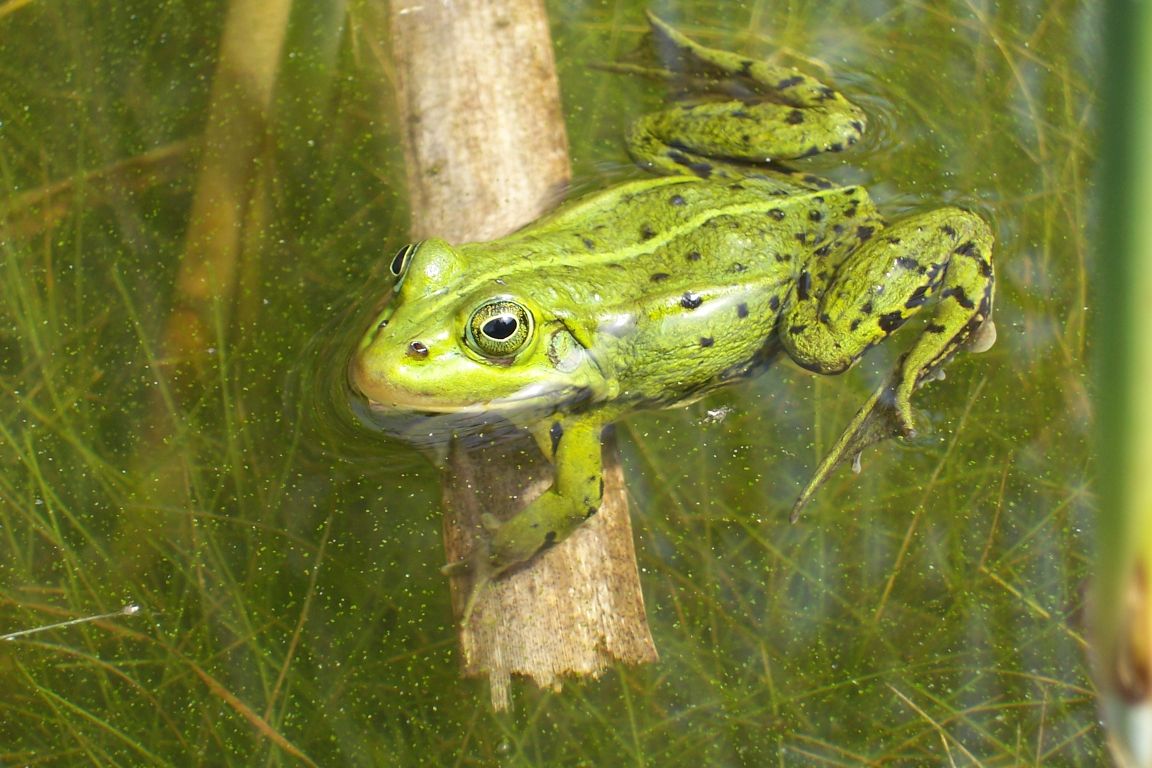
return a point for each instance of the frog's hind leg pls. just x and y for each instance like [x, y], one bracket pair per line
[761, 113]
[784, 85]
[943, 255]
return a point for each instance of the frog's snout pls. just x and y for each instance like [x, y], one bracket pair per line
[396, 375]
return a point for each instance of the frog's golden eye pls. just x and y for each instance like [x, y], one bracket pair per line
[499, 328]
[402, 258]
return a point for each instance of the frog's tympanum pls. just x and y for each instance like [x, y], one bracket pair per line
[655, 292]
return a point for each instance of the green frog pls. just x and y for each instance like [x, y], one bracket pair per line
[655, 292]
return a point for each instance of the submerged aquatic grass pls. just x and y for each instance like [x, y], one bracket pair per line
[291, 609]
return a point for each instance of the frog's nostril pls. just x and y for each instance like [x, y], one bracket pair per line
[417, 349]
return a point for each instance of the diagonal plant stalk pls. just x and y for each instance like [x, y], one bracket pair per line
[226, 211]
[221, 246]
[486, 153]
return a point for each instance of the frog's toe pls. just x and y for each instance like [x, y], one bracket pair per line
[983, 337]
[479, 585]
[456, 568]
[895, 411]
[936, 375]
[476, 563]
[479, 570]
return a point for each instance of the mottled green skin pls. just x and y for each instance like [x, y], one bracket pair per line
[656, 291]
[666, 288]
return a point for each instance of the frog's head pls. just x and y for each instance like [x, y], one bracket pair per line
[458, 339]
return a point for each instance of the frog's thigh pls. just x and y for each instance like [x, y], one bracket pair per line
[943, 253]
[573, 447]
[753, 133]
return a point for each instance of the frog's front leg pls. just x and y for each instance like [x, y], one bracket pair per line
[943, 254]
[573, 447]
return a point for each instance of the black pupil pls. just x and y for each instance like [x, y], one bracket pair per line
[398, 260]
[500, 328]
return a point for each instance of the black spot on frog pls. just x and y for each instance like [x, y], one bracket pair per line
[691, 300]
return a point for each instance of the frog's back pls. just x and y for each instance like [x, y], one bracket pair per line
[659, 236]
[679, 282]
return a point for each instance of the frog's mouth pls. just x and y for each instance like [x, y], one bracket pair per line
[418, 421]
[545, 396]
[387, 394]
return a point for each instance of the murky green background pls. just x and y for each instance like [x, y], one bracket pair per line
[926, 612]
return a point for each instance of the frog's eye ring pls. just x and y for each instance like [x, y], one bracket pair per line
[402, 259]
[499, 329]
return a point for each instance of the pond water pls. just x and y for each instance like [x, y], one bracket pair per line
[285, 562]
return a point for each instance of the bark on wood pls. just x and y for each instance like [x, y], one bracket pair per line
[486, 153]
